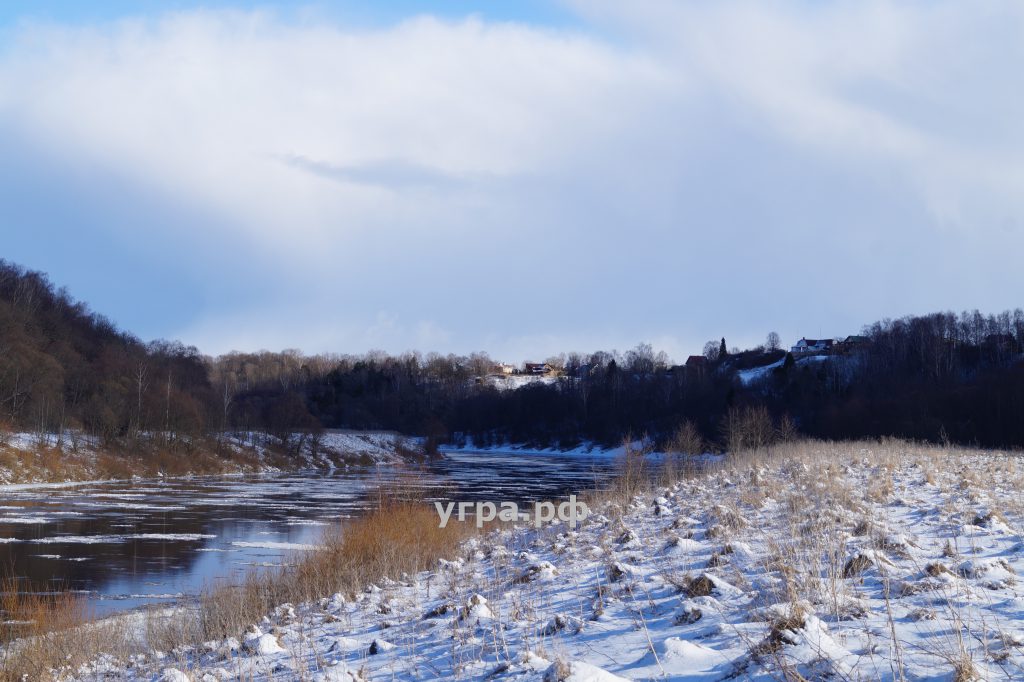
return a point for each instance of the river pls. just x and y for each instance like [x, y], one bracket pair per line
[126, 544]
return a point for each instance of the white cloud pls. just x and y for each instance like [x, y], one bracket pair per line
[252, 117]
[679, 171]
[923, 87]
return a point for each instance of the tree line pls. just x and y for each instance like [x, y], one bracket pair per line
[945, 376]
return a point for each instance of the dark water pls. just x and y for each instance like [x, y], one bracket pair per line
[127, 544]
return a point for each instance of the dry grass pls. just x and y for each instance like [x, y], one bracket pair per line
[26, 612]
[821, 503]
[122, 461]
[45, 632]
[397, 539]
[9, 458]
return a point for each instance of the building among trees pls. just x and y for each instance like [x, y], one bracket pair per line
[812, 347]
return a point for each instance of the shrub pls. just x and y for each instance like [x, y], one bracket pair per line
[632, 469]
[685, 442]
[748, 428]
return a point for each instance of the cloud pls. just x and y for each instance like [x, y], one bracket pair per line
[667, 170]
[206, 104]
[386, 173]
[901, 86]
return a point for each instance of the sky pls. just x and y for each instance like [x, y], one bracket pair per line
[523, 178]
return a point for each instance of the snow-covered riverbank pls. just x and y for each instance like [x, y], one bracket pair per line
[834, 562]
[33, 459]
[581, 450]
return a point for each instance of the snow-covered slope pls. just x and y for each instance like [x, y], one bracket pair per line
[508, 382]
[818, 563]
[755, 374]
[47, 458]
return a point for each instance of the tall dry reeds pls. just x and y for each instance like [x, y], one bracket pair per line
[395, 539]
[41, 632]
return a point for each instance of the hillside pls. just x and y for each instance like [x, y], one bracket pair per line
[63, 367]
[942, 377]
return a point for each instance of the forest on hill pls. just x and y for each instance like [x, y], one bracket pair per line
[938, 377]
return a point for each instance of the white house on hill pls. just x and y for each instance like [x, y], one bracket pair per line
[808, 346]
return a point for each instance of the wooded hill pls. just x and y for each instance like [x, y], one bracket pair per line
[934, 377]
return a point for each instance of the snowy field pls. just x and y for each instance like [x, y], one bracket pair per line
[865, 562]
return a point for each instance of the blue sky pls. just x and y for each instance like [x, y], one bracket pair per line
[518, 177]
[367, 12]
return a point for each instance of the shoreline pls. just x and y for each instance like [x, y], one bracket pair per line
[774, 561]
[24, 462]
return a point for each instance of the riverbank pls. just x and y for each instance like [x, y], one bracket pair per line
[49, 458]
[812, 561]
[582, 450]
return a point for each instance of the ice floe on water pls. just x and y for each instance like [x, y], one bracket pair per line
[118, 539]
[305, 522]
[189, 533]
[25, 519]
[287, 546]
[132, 505]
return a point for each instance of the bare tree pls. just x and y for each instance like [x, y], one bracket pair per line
[773, 342]
[556, 363]
[141, 369]
[227, 398]
[480, 364]
[167, 409]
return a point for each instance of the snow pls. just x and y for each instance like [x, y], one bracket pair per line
[749, 376]
[755, 374]
[326, 451]
[578, 671]
[18, 487]
[339, 672]
[380, 446]
[505, 382]
[741, 575]
[263, 645]
[585, 449]
[33, 441]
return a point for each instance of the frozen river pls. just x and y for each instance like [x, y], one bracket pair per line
[131, 543]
